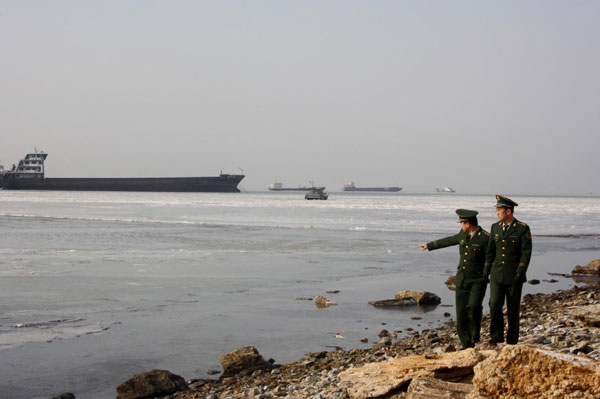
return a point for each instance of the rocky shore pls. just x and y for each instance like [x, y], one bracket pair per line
[558, 356]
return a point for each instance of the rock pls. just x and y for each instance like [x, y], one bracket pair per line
[591, 269]
[364, 340]
[446, 314]
[66, 395]
[383, 333]
[388, 303]
[589, 314]
[212, 372]
[376, 379]
[523, 371]
[583, 349]
[322, 302]
[432, 388]
[450, 283]
[245, 358]
[420, 297]
[333, 292]
[151, 384]
[534, 282]
[303, 298]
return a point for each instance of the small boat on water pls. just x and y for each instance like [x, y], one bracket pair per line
[29, 175]
[351, 187]
[445, 190]
[317, 193]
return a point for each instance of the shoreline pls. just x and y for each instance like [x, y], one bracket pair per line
[546, 323]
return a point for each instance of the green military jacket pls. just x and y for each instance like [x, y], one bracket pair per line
[506, 252]
[472, 253]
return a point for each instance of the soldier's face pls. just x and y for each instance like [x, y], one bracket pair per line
[504, 214]
[465, 226]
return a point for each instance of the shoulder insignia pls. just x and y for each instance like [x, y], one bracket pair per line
[523, 224]
[528, 234]
[485, 232]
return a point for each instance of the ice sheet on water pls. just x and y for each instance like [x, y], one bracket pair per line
[46, 331]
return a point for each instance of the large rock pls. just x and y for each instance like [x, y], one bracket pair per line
[376, 379]
[528, 372]
[589, 314]
[420, 297]
[154, 383]
[432, 388]
[450, 283]
[245, 358]
[389, 303]
[591, 269]
[322, 302]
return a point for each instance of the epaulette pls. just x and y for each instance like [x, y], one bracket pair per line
[523, 224]
[486, 233]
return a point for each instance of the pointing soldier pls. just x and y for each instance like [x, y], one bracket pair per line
[470, 283]
[507, 259]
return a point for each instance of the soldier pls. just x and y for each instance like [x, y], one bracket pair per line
[507, 259]
[470, 284]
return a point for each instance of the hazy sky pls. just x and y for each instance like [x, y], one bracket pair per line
[486, 97]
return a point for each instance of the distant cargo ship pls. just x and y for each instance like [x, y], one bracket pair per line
[279, 187]
[351, 187]
[29, 175]
[445, 190]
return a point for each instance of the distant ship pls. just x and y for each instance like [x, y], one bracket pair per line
[279, 187]
[29, 175]
[445, 190]
[351, 187]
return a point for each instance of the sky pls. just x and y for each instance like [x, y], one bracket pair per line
[483, 96]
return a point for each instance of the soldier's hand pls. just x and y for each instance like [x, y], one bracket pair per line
[520, 277]
[423, 246]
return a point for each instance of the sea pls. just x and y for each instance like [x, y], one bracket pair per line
[96, 287]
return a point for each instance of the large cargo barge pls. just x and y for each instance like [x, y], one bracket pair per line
[279, 187]
[351, 187]
[29, 175]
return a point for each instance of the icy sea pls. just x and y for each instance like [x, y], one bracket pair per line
[96, 287]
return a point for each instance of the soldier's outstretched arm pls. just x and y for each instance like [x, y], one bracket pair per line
[444, 242]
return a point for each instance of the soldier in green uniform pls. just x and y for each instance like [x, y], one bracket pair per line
[472, 242]
[507, 259]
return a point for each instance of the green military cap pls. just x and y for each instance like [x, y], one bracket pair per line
[503, 201]
[465, 214]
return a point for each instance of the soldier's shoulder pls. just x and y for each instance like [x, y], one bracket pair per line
[523, 224]
[485, 232]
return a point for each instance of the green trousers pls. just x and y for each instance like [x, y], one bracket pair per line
[512, 294]
[469, 310]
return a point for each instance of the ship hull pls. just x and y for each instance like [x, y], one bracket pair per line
[218, 184]
[291, 189]
[378, 189]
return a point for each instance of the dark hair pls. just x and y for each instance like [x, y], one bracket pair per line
[512, 208]
[473, 220]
